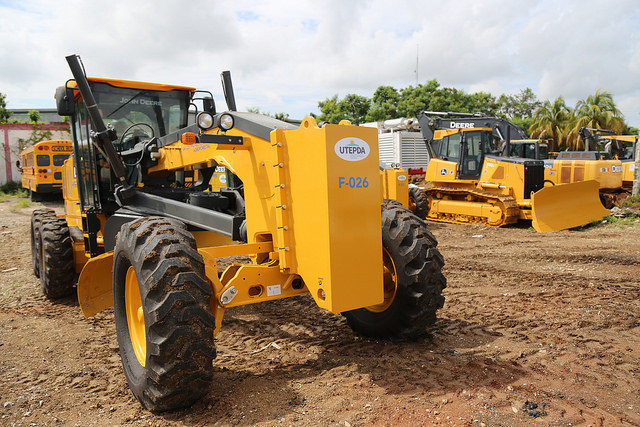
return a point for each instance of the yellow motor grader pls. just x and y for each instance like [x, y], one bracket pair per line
[143, 228]
[470, 180]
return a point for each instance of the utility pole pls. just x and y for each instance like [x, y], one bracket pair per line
[417, 62]
[636, 170]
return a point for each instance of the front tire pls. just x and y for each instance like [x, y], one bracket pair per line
[162, 306]
[413, 280]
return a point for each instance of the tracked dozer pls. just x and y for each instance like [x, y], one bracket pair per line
[469, 180]
[616, 148]
[144, 228]
[623, 147]
[607, 158]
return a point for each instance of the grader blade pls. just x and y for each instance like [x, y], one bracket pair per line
[565, 206]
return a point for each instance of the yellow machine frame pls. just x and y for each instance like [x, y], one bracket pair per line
[328, 248]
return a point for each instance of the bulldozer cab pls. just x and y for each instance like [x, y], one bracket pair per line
[621, 146]
[528, 149]
[467, 148]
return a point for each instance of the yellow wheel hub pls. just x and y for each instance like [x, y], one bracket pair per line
[390, 283]
[412, 204]
[135, 316]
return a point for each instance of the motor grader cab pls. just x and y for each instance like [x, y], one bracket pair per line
[471, 180]
[144, 231]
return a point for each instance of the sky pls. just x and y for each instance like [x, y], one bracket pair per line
[286, 56]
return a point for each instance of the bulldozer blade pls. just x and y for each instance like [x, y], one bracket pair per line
[565, 206]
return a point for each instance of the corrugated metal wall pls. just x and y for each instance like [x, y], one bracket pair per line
[404, 149]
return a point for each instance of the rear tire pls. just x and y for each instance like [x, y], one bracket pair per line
[35, 197]
[36, 256]
[413, 280]
[162, 306]
[56, 250]
[418, 202]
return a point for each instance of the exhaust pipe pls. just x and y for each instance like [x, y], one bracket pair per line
[227, 88]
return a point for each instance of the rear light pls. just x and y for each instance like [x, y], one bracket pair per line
[40, 147]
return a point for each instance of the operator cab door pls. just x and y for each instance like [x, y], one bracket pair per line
[473, 147]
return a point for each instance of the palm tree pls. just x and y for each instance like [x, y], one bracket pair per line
[598, 111]
[552, 121]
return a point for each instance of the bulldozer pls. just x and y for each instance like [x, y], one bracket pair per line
[567, 167]
[607, 158]
[144, 229]
[620, 148]
[472, 179]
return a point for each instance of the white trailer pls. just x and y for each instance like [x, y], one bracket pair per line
[401, 145]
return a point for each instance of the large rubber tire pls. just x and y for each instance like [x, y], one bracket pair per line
[164, 322]
[413, 280]
[418, 202]
[56, 250]
[36, 252]
[35, 197]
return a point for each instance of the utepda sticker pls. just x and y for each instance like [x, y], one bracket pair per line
[352, 149]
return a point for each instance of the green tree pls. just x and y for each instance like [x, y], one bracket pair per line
[352, 107]
[34, 116]
[384, 104]
[522, 105]
[4, 113]
[413, 100]
[280, 116]
[598, 111]
[552, 120]
[37, 135]
[482, 102]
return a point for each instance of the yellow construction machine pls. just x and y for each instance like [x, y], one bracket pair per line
[469, 178]
[620, 148]
[143, 229]
[607, 158]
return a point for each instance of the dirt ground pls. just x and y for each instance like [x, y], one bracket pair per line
[536, 329]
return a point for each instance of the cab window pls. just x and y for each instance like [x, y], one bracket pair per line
[451, 147]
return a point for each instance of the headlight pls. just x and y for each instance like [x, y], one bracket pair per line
[205, 120]
[226, 121]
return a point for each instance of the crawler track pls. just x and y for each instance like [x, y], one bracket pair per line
[507, 204]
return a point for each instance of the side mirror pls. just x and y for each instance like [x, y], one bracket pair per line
[209, 105]
[18, 164]
[65, 101]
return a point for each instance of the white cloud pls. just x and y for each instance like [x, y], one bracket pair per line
[285, 56]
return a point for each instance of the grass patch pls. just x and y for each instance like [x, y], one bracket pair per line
[630, 201]
[11, 187]
[24, 203]
[623, 222]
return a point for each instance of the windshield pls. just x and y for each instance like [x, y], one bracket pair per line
[163, 111]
